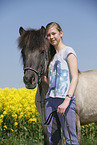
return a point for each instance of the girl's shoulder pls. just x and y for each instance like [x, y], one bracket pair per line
[68, 50]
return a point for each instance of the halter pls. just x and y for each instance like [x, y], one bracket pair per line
[38, 73]
[41, 73]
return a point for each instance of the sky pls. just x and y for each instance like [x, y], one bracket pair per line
[78, 19]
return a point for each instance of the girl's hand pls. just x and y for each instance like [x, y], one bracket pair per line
[61, 108]
[45, 79]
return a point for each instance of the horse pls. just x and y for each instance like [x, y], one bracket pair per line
[37, 54]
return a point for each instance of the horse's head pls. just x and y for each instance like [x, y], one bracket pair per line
[35, 51]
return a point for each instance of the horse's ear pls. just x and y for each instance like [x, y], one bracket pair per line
[43, 30]
[21, 30]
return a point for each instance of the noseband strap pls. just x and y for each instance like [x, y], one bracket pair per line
[38, 73]
[30, 68]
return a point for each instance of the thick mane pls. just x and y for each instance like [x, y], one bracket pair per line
[31, 39]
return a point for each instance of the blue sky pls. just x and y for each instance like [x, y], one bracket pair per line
[78, 19]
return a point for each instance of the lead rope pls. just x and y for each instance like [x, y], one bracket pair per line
[47, 122]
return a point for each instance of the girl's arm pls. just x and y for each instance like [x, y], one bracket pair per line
[73, 66]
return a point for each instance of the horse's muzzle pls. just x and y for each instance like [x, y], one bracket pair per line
[30, 82]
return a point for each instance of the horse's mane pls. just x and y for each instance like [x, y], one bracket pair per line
[33, 39]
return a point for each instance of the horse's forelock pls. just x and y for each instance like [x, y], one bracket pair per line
[32, 39]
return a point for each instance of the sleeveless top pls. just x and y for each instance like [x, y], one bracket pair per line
[59, 74]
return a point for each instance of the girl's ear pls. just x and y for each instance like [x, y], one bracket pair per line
[61, 33]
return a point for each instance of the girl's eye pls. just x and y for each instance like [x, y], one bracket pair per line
[48, 35]
[53, 33]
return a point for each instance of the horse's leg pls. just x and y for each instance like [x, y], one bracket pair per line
[78, 125]
[45, 133]
[44, 127]
[41, 109]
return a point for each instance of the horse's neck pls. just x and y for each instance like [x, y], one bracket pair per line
[43, 88]
[44, 83]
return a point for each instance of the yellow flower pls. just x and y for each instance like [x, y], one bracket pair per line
[83, 126]
[1, 120]
[1, 116]
[5, 126]
[32, 120]
[12, 130]
[16, 123]
[87, 125]
[14, 116]
[4, 113]
[21, 115]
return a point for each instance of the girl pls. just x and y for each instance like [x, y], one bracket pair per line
[63, 76]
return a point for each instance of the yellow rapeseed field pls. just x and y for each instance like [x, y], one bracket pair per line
[19, 116]
[19, 104]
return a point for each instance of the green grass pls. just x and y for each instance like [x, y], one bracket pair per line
[13, 140]
[89, 141]
[35, 137]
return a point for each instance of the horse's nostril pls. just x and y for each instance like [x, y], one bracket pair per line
[33, 79]
[25, 79]
[29, 80]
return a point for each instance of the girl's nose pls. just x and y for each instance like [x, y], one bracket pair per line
[51, 36]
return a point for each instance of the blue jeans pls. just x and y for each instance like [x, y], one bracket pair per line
[58, 121]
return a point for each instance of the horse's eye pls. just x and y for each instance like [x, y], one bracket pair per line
[42, 52]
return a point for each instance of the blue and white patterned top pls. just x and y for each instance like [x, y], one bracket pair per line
[59, 75]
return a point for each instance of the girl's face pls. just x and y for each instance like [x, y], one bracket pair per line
[54, 36]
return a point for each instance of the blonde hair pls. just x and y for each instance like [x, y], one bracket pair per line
[49, 25]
